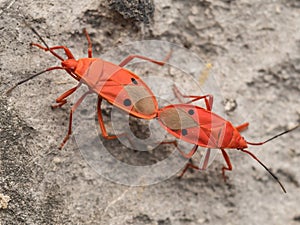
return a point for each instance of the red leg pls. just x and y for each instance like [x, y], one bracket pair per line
[188, 155]
[242, 127]
[101, 123]
[190, 165]
[227, 160]
[90, 50]
[67, 51]
[131, 57]
[206, 159]
[187, 166]
[207, 98]
[75, 106]
[61, 100]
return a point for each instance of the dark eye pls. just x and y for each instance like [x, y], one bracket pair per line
[134, 80]
[127, 102]
[191, 112]
[184, 132]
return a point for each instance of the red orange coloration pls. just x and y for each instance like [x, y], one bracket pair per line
[204, 128]
[199, 126]
[115, 84]
[109, 81]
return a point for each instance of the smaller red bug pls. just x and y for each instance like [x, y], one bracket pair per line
[119, 86]
[204, 128]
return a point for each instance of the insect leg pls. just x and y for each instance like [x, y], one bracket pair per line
[90, 50]
[75, 106]
[242, 127]
[209, 104]
[187, 166]
[67, 51]
[227, 160]
[101, 123]
[207, 98]
[205, 159]
[61, 100]
[188, 155]
[131, 57]
[204, 163]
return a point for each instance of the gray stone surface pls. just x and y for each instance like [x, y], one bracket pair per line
[255, 51]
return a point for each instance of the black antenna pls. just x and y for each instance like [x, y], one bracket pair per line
[272, 174]
[23, 81]
[37, 34]
[261, 143]
[46, 48]
[43, 41]
[276, 136]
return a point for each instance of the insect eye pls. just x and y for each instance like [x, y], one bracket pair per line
[134, 80]
[127, 102]
[191, 112]
[184, 132]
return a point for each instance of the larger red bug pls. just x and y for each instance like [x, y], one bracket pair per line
[109, 81]
[204, 128]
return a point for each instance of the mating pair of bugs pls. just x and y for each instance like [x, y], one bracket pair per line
[190, 123]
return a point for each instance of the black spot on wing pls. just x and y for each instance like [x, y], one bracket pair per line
[191, 112]
[127, 102]
[134, 81]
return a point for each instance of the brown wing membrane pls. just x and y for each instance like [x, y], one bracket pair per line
[177, 119]
[141, 98]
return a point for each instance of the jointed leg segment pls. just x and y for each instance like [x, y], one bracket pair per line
[242, 127]
[131, 57]
[207, 98]
[75, 106]
[101, 123]
[227, 160]
[61, 100]
[67, 51]
[90, 49]
[187, 166]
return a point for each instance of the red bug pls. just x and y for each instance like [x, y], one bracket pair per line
[204, 128]
[109, 81]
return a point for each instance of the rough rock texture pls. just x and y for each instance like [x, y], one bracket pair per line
[141, 11]
[255, 51]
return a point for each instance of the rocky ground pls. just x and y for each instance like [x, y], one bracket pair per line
[254, 48]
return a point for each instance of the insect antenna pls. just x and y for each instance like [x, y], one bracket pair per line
[272, 174]
[23, 81]
[37, 34]
[46, 48]
[33, 76]
[276, 136]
